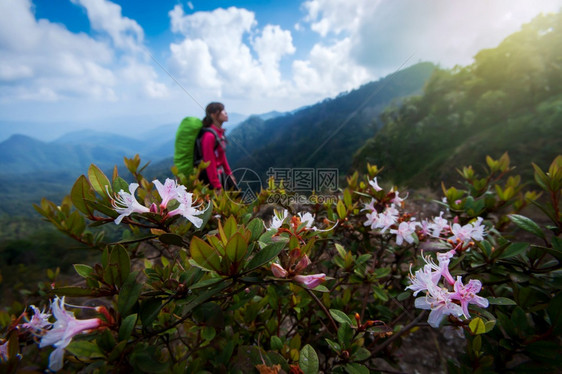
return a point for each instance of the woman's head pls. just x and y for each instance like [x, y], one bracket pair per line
[215, 113]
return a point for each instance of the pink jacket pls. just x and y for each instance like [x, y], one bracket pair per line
[217, 156]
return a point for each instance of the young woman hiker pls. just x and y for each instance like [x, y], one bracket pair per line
[213, 146]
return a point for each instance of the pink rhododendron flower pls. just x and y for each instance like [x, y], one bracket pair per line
[302, 264]
[370, 206]
[424, 227]
[397, 200]
[38, 323]
[478, 229]
[423, 279]
[405, 232]
[168, 191]
[438, 225]
[186, 208]
[278, 271]
[443, 268]
[126, 203]
[310, 281]
[375, 184]
[372, 219]
[64, 329]
[467, 295]
[278, 219]
[439, 301]
[387, 219]
[308, 219]
[462, 233]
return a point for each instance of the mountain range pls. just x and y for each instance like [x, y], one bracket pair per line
[277, 139]
[508, 100]
[420, 124]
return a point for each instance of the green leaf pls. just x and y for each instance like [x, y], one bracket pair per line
[341, 250]
[527, 224]
[347, 198]
[236, 248]
[230, 226]
[256, 227]
[83, 348]
[206, 283]
[265, 255]
[514, 249]
[340, 316]
[129, 294]
[102, 208]
[204, 255]
[382, 272]
[380, 293]
[501, 301]
[308, 360]
[149, 310]
[355, 368]
[145, 360]
[127, 327]
[340, 208]
[361, 354]
[477, 326]
[276, 343]
[345, 335]
[321, 288]
[99, 181]
[120, 184]
[206, 216]
[81, 191]
[172, 239]
[120, 263]
[83, 270]
[208, 333]
[117, 351]
[403, 296]
[333, 345]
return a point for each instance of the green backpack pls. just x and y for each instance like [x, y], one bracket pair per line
[187, 151]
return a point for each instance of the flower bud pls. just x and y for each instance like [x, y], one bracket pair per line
[278, 271]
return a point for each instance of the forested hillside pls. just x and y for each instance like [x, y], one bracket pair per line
[509, 99]
[325, 134]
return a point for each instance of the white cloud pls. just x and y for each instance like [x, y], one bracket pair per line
[193, 64]
[328, 70]
[337, 16]
[106, 16]
[224, 52]
[385, 33]
[270, 46]
[44, 61]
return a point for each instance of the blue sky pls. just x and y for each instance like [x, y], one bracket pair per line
[125, 65]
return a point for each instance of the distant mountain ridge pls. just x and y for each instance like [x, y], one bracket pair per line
[326, 134]
[74, 151]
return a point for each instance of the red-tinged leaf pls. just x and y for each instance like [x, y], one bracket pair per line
[236, 248]
[204, 255]
[230, 226]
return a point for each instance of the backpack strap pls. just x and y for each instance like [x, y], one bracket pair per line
[218, 140]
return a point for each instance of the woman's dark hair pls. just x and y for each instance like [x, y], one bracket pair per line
[212, 108]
